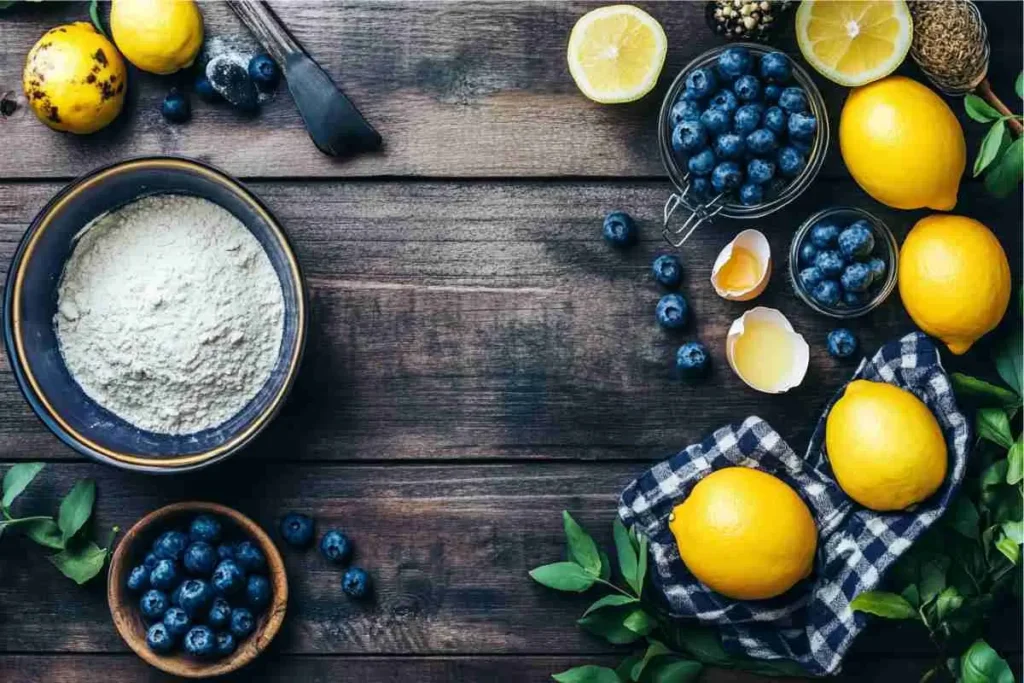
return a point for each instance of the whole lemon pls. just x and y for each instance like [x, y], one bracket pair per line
[745, 534]
[885, 446]
[158, 36]
[954, 279]
[902, 144]
[74, 79]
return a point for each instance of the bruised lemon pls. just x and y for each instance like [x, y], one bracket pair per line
[158, 36]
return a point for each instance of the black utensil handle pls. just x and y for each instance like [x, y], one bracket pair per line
[268, 29]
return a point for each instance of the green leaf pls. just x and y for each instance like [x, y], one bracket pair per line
[949, 601]
[45, 532]
[912, 595]
[4, 4]
[888, 605]
[703, 644]
[625, 667]
[606, 566]
[963, 517]
[1002, 180]
[641, 565]
[980, 110]
[21, 521]
[582, 549]
[81, 563]
[677, 671]
[994, 474]
[1009, 549]
[981, 664]
[1009, 359]
[563, 576]
[1018, 85]
[992, 424]
[1015, 462]
[591, 673]
[626, 553]
[76, 508]
[983, 392]
[609, 624]
[639, 621]
[991, 145]
[94, 15]
[933, 577]
[1014, 531]
[654, 649]
[613, 600]
[17, 479]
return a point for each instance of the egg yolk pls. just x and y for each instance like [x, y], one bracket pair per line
[742, 271]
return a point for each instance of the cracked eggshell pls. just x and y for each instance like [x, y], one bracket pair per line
[757, 244]
[801, 351]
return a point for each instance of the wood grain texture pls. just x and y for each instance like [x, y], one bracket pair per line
[456, 89]
[489, 320]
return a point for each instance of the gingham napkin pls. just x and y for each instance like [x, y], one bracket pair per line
[812, 623]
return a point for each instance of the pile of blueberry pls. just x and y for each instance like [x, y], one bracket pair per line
[225, 80]
[741, 127]
[839, 264]
[200, 592]
[336, 548]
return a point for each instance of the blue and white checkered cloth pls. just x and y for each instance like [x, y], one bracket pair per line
[812, 623]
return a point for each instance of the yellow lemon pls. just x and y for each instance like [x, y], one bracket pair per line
[885, 446]
[902, 144]
[616, 53]
[853, 42]
[954, 279]
[74, 79]
[158, 36]
[745, 534]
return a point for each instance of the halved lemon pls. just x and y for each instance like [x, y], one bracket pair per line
[854, 42]
[616, 53]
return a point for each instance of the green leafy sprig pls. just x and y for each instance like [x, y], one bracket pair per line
[79, 558]
[1001, 160]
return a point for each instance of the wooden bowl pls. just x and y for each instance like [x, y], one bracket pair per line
[124, 605]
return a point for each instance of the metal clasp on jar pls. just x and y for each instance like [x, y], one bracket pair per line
[699, 214]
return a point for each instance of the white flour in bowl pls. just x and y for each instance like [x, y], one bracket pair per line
[169, 314]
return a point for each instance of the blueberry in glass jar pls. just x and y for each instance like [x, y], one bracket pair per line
[826, 293]
[802, 126]
[725, 100]
[158, 639]
[164, 575]
[701, 82]
[702, 163]
[751, 194]
[772, 92]
[729, 146]
[153, 604]
[205, 528]
[619, 230]
[830, 263]
[825, 234]
[672, 311]
[841, 343]
[807, 253]
[761, 141]
[688, 137]
[878, 269]
[747, 88]
[684, 110]
[775, 120]
[760, 171]
[177, 622]
[715, 121]
[667, 271]
[790, 160]
[735, 62]
[726, 176]
[856, 277]
[747, 118]
[809, 277]
[200, 642]
[692, 361]
[700, 188]
[793, 99]
[855, 299]
[776, 67]
[858, 240]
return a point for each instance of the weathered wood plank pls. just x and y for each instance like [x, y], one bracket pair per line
[449, 548]
[456, 89]
[481, 320]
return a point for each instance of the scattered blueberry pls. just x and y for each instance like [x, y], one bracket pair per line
[196, 596]
[791, 160]
[257, 592]
[232, 82]
[701, 188]
[715, 121]
[228, 577]
[830, 263]
[153, 604]
[747, 88]
[355, 583]
[242, 623]
[177, 622]
[200, 558]
[761, 141]
[825, 234]
[842, 343]
[692, 360]
[164, 575]
[856, 278]
[138, 579]
[176, 107]
[729, 146]
[684, 110]
[858, 240]
[701, 82]
[689, 136]
[158, 639]
[200, 642]
[775, 120]
[702, 163]
[205, 528]
[150, 561]
[776, 67]
[878, 269]
[747, 118]
[667, 272]
[264, 72]
[727, 176]
[170, 545]
[204, 89]
[802, 126]
[826, 293]
[793, 99]
[855, 299]
[809, 277]
[725, 100]
[807, 253]
[751, 194]
[226, 551]
[772, 92]
[619, 231]
[226, 644]
[735, 62]
[672, 311]
[297, 528]
[760, 171]
[219, 615]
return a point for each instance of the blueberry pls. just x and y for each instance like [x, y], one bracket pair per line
[830, 263]
[200, 642]
[793, 99]
[856, 278]
[164, 575]
[619, 231]
[842, 343]
[761, 141]
[715, 121]
[760, 171]
[176, 107]
[802, 146]
[264, 72]
[672, 311]
[668, 272]
[747, 118]
[158, 639]
[776, 67]
[878, 269]
[150, 561]
[775, 120]
[802, 126]
[809, 277]
[138, 579]
[242, 623]
[153, 604]
[200, 558]
[751, 194]
[807, 253]
[729, 146]
[297, 528]
[170, 545]
[701, 82]
[177, 622]
[176, 596]
[205, 528]
[689, 136]
[226, 551]
[196, 596]
[857, 241]
[690, 96]
[701, 188]
[257, 592]
[791, 161]
[219, 615]
[825, 234]
[772, 92]
[855, 299]
[826, 293]
[232, 82]
[226, 644]
[701, 163]
[726, 176]
[228, 577]
[735, 62]
[724, 100]
[355, 583]
[683, 110]
[204, 89]
[692, 361]
[747, 88]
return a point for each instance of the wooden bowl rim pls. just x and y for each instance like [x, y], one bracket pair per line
[180, 665]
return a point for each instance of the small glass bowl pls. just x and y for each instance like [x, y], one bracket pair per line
[885, 248]
[678, 172]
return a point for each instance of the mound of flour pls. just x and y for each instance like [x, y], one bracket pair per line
[169, 314]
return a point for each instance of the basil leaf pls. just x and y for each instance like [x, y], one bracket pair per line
[1002, 180]
[613, 600]
[1009, 549]
[654, 649]
[888, 605]
[76, 508]
[17, 480]
[641, 565]
[82, 563]
[626, 553]
[591, 673]
[678, 671]
[983, 392]
[964, 517]
[1018, 85]
[992, 424]
[582, 549]
[981, 664]
[991, 145]
[45, 532]
[1015, 462]
[606, 566]
[609, 624]
[563, 576]
[980, 110]
[1009, 360]
[912, 595]
[639, 621]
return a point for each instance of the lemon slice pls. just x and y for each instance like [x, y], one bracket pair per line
[854, 42]
[616, 53]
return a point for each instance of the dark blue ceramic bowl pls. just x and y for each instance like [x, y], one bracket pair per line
[30, 302]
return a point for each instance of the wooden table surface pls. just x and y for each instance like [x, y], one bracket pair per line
[478, 358]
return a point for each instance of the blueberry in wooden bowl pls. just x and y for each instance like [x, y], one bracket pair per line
[197, 589]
